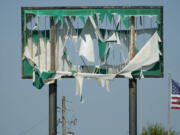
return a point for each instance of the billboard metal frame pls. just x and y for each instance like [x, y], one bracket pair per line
[98, 7]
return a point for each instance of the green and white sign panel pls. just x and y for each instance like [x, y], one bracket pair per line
[91, 42]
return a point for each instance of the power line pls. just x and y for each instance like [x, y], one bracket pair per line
[29, 129]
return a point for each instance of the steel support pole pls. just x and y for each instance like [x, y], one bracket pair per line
[53, 86]
[53, 109]
[132, 107]
[132, 86]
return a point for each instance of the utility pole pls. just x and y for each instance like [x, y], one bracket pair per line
[53, 86]
[63, 115]
[132, 86]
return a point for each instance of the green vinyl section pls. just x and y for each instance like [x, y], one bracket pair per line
[156, 71]
[102, 49]
[40, 78]
[28, 69]
[91, 12]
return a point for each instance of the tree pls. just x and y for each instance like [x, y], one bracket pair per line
[157, 129]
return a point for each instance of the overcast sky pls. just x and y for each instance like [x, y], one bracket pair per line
[24, 109]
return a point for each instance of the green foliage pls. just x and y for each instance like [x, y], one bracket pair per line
[157, 129]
